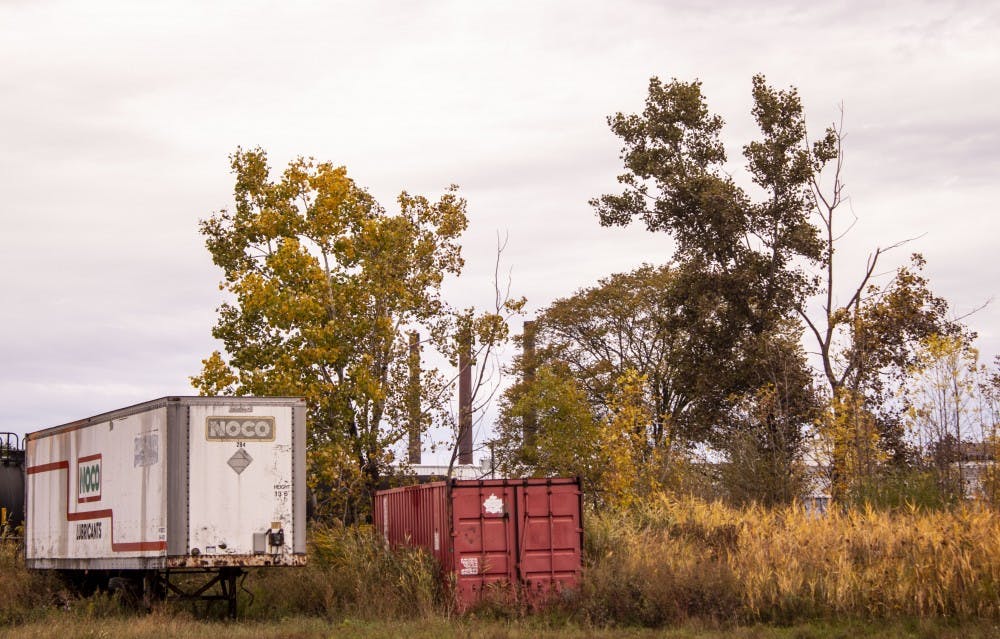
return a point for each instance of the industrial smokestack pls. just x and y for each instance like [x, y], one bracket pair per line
[413, 399]
[465, 398]
[529, 425]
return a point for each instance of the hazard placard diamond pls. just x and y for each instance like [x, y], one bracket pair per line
[240, 460]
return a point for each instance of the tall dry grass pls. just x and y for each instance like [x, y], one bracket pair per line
[673, 559]
[681, 557]
[351, 573]
[24, 594]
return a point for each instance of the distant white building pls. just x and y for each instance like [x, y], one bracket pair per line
[434, 472]
[974, 460]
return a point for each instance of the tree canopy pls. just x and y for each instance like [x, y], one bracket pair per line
[718, 334]
[322, 283]
[627, 362]
[629, 375]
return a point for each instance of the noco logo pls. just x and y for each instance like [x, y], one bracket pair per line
[88, 478]
[227, 429]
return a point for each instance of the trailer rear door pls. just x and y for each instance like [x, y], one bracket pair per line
[240, 479]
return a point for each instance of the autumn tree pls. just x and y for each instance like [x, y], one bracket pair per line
[989, 412]
[627, 321]
[322, 283]
[567, 441]
[868, 343]
[609, 453]
[624, 328]
[848, 447]
[944, 415]
[626, 455]
[631, 336]
[761, 257]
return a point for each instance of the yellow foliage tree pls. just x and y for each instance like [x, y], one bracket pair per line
[323, 282]
[611, 454]
[948, 412]
[849, 442]
[624, 446]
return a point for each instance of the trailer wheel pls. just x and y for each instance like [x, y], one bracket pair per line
[127, 589]
[83, 582]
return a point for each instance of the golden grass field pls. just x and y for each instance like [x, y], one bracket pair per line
[171, 626]
[677, 567]
[696, 558]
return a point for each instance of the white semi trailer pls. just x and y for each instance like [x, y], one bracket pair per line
[174, 485]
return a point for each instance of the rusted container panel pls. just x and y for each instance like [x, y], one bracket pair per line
[484, 520]
[415, 515]
[491, 533]
[552, 536]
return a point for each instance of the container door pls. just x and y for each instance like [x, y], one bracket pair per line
[484, 543]
[415, 516]
[240, 482]
[550, 536]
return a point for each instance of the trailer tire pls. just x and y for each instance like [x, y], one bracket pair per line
[82, 582]
[127, 589]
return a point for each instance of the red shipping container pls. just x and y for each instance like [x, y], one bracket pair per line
[492, 533]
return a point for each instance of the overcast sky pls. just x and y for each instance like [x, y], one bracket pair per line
[116, 120]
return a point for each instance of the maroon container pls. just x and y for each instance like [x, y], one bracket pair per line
[493, 533]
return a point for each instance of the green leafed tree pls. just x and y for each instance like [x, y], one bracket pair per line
[677, 181]
[761, 256]
[627, 321]
[322, 283]
[740, 262]
[567, 437]
[764, 432]
[632, 341]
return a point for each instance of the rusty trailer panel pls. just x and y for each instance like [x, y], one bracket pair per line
[205, 562]
[490, 534]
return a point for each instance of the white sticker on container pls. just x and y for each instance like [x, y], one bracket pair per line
[437, 540]
[493, 505]
[470, 566]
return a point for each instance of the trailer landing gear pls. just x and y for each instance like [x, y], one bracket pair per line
[141, 589]
[224, 578]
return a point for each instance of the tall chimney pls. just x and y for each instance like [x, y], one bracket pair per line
[413, 398]
[465, 398]
[530, 420]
